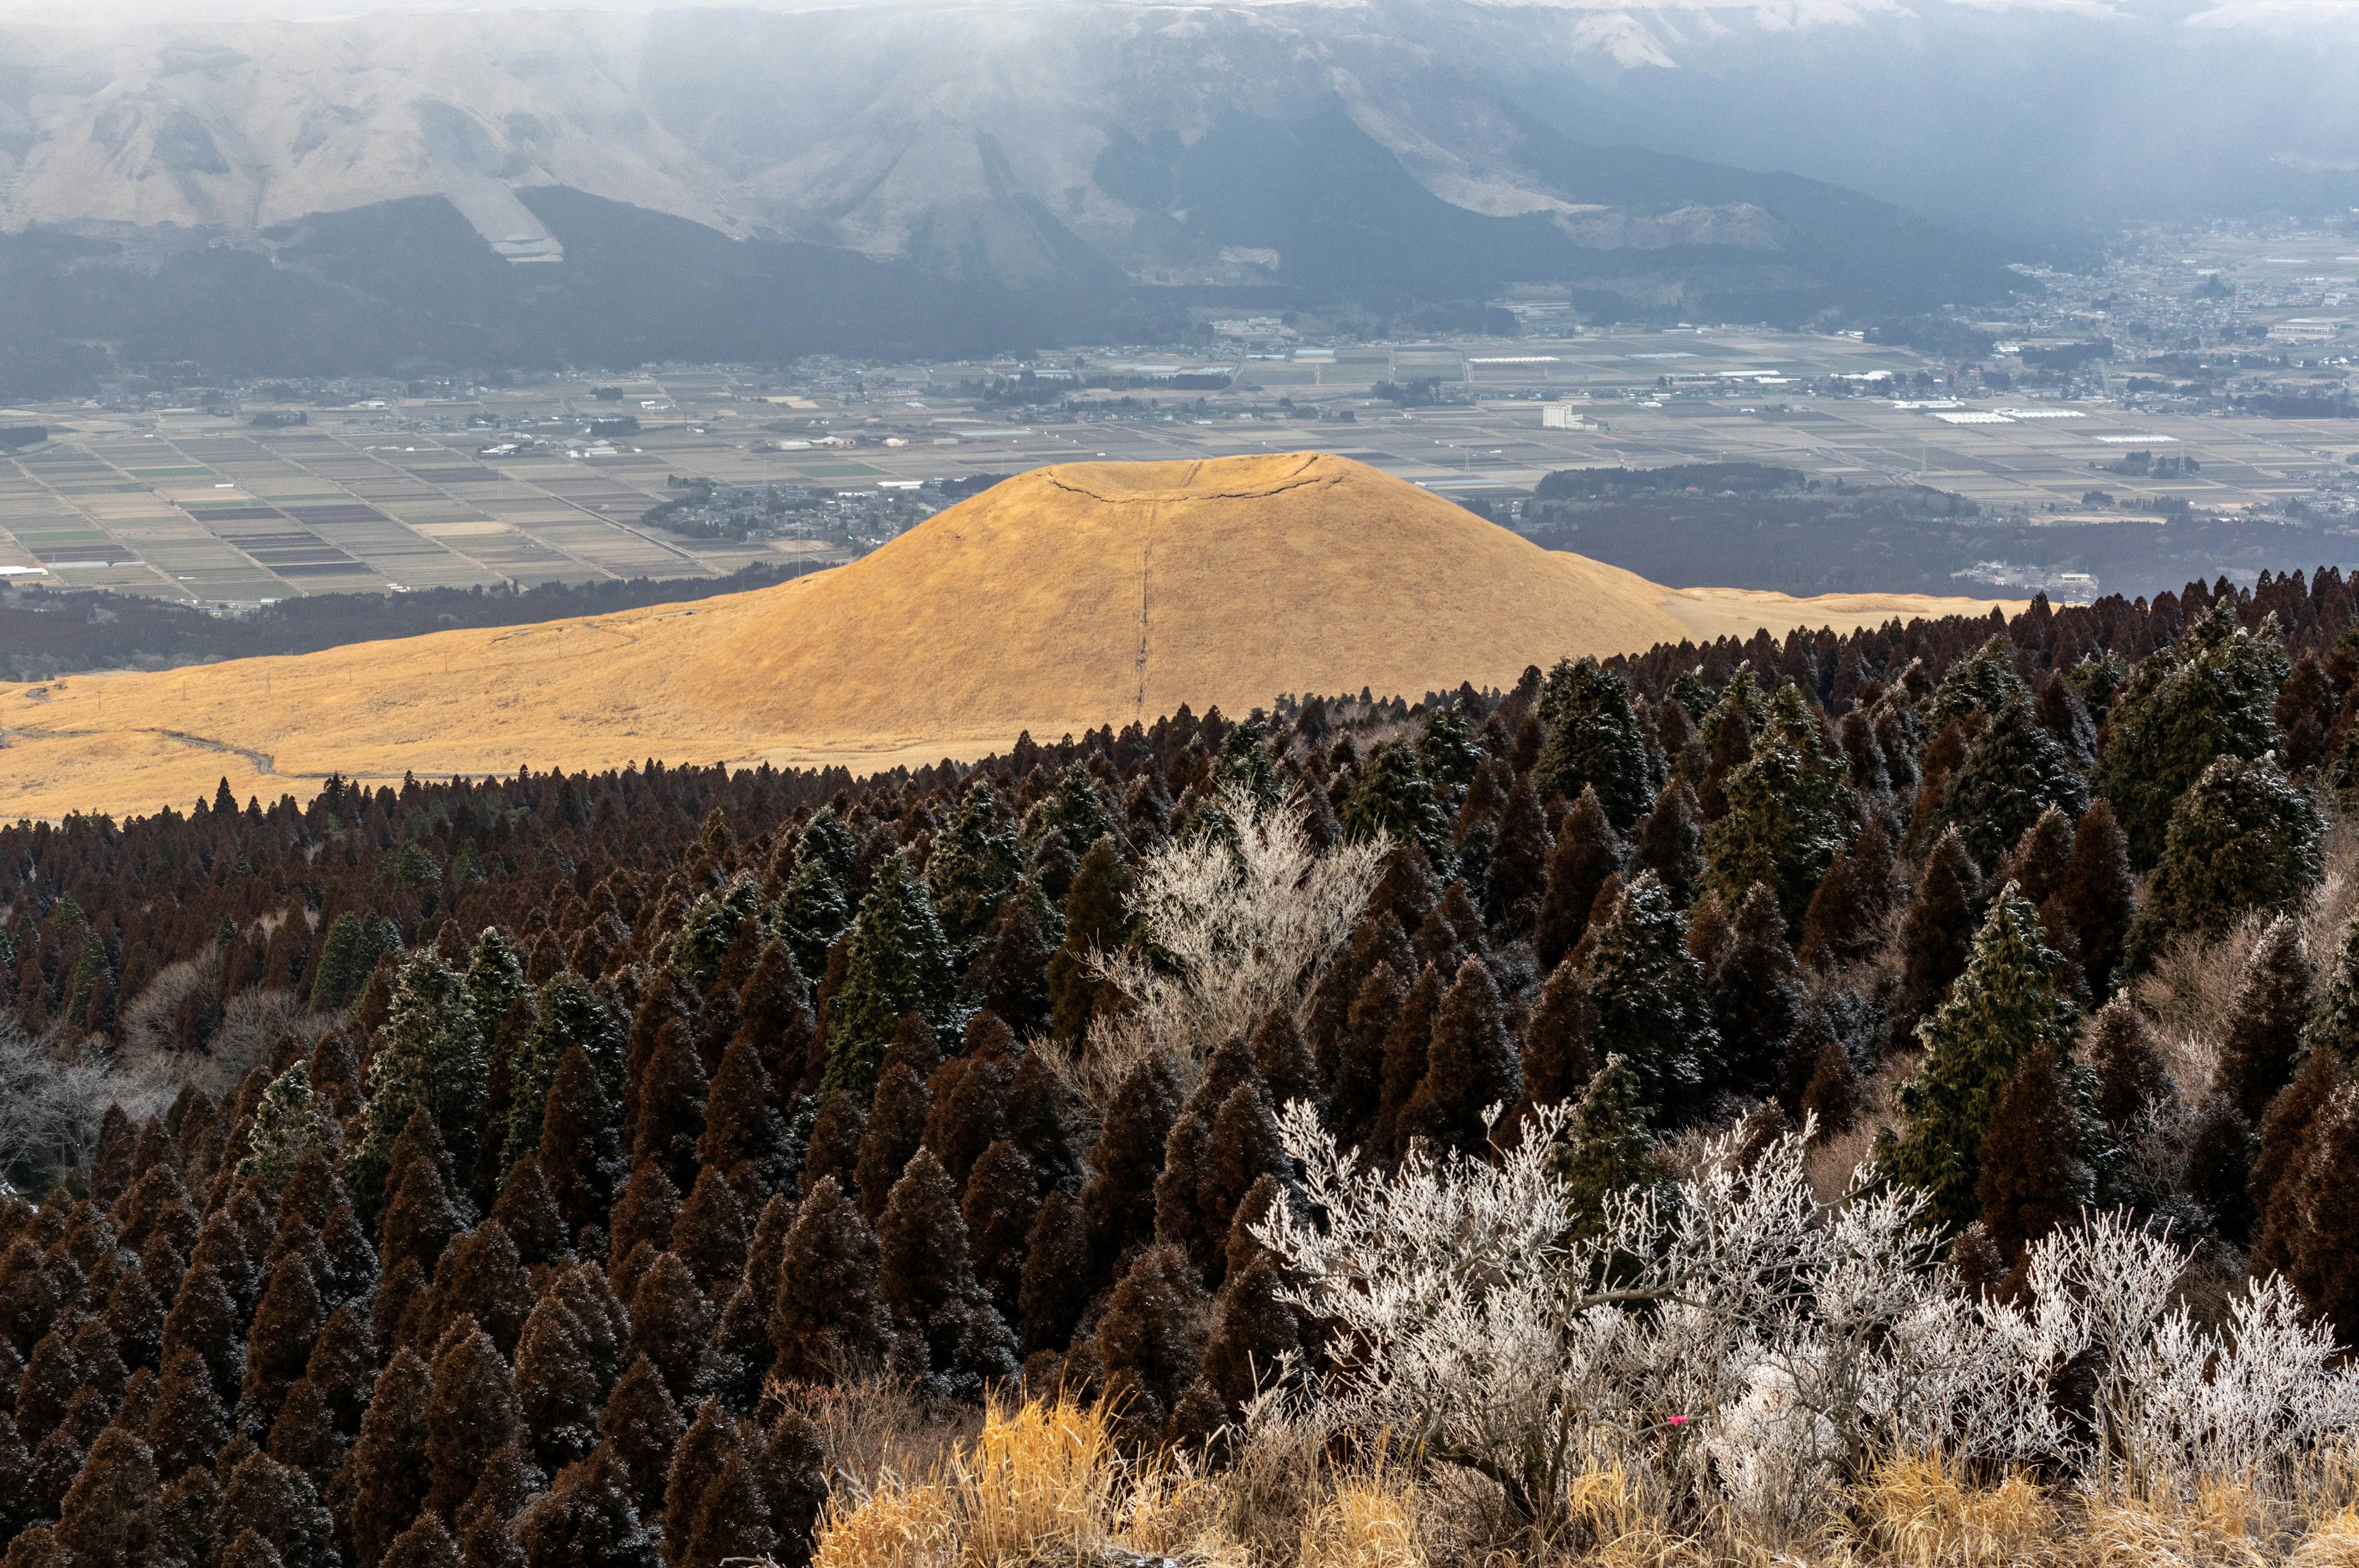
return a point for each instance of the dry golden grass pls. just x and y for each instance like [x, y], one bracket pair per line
[1026, 607]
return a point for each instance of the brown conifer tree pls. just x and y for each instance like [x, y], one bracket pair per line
[278, 1347]
[578, 1148]
[558, 1394]
[395, 1312]
[589, 1518]
[1001, 1201]
[1519, 861]
[474, 1414]
[1407, 1045]
[528, 1212]
[2325, 1237]
[972, 1093]
[795, 1474]
[944, 1318]
[744, 1139]
[672, 1097]
[481, 1276]
[1252, 1334]
[385, 1477]
[2265, 1017]
[713, 1434]
[2098, 896]
[426, 1543]
[1117, 1201]
[672, 1322]
[109, 1517]
[282, 1507]
[2132, 1079]
[1151, 1339]
[709, 1234]
[773, 1016]
[134, 1317]
[896, 1127]
[343, 1365]
[1587, 851]
[1471, 1067]
[2033, 1178]
[827, 1315]
[732, 1521]
[837, 1132]
[640, 1424]
[204, 1320]
[1356, 1078]
[643, 1216]
[304, 1436]
[1936, 932]
[419, 1219]
[2276, 1185]
[1669, 842]
[1556, 1057]
[1060, 1274]
[1283, 1058]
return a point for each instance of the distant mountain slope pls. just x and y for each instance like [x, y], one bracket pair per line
[1057, 600]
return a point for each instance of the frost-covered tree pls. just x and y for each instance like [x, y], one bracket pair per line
[1395, 799]
[431, 1059]
[285, 1127]
[1593, 742]
[1647, 991]
[2013, 773]
[567, 1013]
[975, 864]
[899, 963]
[2244, 837]
[1784, 818]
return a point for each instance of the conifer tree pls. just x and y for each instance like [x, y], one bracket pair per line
[827, 1317]
[2014, 771]
[304, 1436]
[420, 1218]
[1784, 819]
[773, 1016]
[387, 1473]
[1355, 1078]
[1668, 843]
[896, 1117]
[1650, 999]
[1060, 1274]
[1118, 1201]
[898, 962]
[1556, 1057]
[1756, 995]
[732, 1518]
[2062, 714]
[2334, 1022]
[2304, 712]
[926, 1277]
[1001, 1201]
[590, 1519]
[817, 902]
[1097, 919]
[431, 1059]
[285, 1325]
[286, 1128]
[1471, 1067]
[2243, 839]
[2211, 697]
[2132, 1079]
[1937, 931]
[1593, 741]
[1150, 1340]
[640, 1424]
[1407, 1046]
[1983, 679]
[1395, 797]
[1608, 1144]
[343, 1365]
[1520, 852]
[280, 1506]
[578, 1150]
[481, 1275]
[1242, 1146]
[2266, 1018]
[1254, 1333]
[672, 1323]
[975, 863]
[205, 1319]
[673, 1093]
[709, 1234]
[1586, 853]
[744, 1139]
[527, 1210]
[2096, 898]
[2324, 1239]
[494, 980]
[556, 1392]
[109, 1518]
[1008, 976]
[426, 1543]
[566, 1013]
[2033, 1177]
[2004, 1007]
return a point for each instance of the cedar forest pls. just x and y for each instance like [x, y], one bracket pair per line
[542, 1170]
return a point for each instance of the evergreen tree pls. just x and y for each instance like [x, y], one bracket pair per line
[493, 981]
[744, 1139]
[1446, 749]
[1648, 994]
[1668, 843]
[640, 1425]
[1756, 995]
[1520, 853]
[709, 1234]
[816, 904]
[1001, 1201]
[1243, 764]
[1586, 853]
[2334, 1023]
[556, 1392]
[1593, 742]
[278, 1347]
[420, 1218]
[1097, 919]
[837, 1129]
[672, 1097]
[567, 1013]
[2132, 1079]
[1556, 1057]
[2304, 712]
[426, 1543]
[1608, 1144]
[2003, 1008]
[2033, 1177]
[2014, 771]
[1118, 1201]
[1937, 931]
[2241, 839]
[773, 1017]
[1984, 679]
[1395, 797]
[1253, 1334]
[1151, 1339]
[205, 1319]
[1408, 1046]
[944, 1318]
[2275, 1185]
[733, 1519]
[2265, 1017]
[977, 863]
[109, 1518]
[899, 962]
[2209, 698]
[278, 1505]
[2324, 1241]
[1471, 1068]
[827, 1317]
[386, 1478]
[431, 1059]
[672, 1322]
[286, 1128]
[578, 1149]
[1060, 1274]
[973, 1097]
[2096, 898]
[1784, 819]
[1850, 912]
[590, 1519]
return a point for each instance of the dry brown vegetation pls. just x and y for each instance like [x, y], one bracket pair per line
[1023, 608]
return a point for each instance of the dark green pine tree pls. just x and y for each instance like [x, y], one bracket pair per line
[1668, 843]
[816, 904]
[1394, 797]
[2014, 771]
[2211, 696]
[1593, 742]
[975, 863]
[2266, 1018]
[2243, 839]
[1448, 753]
[2062, 714]
[2334, 1023]
[1243, 764]
[495, 979]
[1757, 996]
[287, 1126]
[1937, 931]
[431, 1059]
[2003, 1008]
[1608, 1145]
[1648, 993]
[1983, 679]
[899, 962]
[567, 1013]
[1784, 820]
[1097, 919]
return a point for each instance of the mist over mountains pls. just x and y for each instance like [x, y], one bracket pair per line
[941, 177]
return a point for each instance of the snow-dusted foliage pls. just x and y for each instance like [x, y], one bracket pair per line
[1230, 926]
[1738, 1341]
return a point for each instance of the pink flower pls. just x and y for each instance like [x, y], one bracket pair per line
[1679, 1421]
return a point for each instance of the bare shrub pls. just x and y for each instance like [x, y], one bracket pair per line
[52, 1098]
